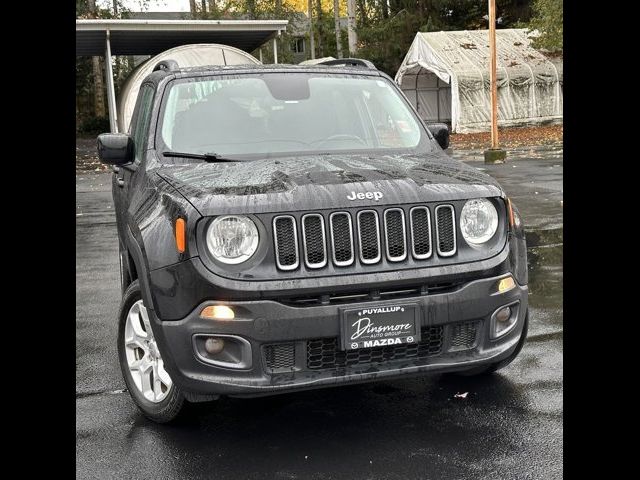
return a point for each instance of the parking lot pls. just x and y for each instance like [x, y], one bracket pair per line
[507, 426]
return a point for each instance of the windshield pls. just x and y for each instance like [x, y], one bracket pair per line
[278, 114]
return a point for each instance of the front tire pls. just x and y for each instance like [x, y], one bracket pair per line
[149, 384]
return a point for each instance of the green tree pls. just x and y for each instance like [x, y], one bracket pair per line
[547, 19]
[386, 32]
[90, 71]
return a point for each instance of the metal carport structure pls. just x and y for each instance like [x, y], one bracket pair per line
[150, 37]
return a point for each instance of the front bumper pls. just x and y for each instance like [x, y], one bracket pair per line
[266, 322]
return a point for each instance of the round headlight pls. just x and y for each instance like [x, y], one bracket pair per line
[232, 238]
[478, 221]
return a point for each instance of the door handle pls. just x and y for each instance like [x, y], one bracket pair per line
[120, 181]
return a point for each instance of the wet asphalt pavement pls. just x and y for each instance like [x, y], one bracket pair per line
[508, 426]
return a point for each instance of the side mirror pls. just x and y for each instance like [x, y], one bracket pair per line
[440, 132]
[115, 148]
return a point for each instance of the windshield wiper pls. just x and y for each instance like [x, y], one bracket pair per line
[207, 157]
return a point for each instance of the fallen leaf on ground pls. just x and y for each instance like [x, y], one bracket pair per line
[509, 137]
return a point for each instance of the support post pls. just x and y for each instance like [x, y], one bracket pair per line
[111, 89]
[495, 154]
[275, 50]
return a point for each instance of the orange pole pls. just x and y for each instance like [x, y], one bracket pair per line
[492, 74]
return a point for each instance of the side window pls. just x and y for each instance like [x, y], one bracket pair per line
[140, 123]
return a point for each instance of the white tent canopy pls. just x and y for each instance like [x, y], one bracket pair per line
[446, 77]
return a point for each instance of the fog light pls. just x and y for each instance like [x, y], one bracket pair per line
[506, 284]
[213, 345]
[217, 312]
[504, 320]
[503, 314]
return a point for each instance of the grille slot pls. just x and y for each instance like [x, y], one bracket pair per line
[324, 353]
[369, 236]
[420, 221]
[286, 242]
[341, 238]
[463, 335]
[446, 230]
[313, 238]
[395, 234]
[280, 357]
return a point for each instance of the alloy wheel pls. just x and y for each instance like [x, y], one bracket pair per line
[143, 357]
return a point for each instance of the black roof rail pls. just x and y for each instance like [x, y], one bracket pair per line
[166, 65]
[350, 62]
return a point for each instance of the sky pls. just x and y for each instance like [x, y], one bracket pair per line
[154, 5]
[183, 5]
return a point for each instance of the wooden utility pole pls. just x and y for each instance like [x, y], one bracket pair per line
[336, 17]
[494, 154]
[492, 74]
[351, 27]
[312, 46]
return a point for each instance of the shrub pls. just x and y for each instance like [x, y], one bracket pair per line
[94, 126]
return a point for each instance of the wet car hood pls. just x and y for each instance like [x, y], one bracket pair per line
[326, 181]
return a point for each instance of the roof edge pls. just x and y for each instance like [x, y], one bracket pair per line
[130, 24]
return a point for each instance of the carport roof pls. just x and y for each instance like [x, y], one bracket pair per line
[150, 37]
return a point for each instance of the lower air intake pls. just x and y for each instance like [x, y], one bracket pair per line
[463, 336]
[279, 357]
[325, 354]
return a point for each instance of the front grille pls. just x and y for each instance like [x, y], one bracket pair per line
[315, 248]
[445, 230]
[280, 357]
[286, 242]
[396, 233]
[463, 335]
[325, 354]
[369, 236]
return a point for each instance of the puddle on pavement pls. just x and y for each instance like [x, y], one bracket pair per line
[545, 248]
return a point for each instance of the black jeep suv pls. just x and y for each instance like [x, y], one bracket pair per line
[285, 228]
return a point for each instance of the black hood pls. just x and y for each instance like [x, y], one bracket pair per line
[326, 181]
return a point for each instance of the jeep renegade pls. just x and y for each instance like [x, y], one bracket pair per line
[285, 228]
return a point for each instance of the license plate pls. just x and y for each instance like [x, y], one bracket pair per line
[380, 326]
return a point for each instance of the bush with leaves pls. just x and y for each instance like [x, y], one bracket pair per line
[93, 126]
[547, 19]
